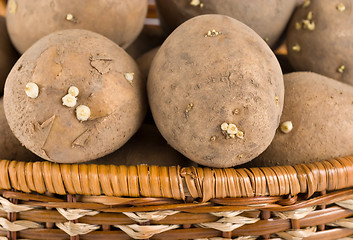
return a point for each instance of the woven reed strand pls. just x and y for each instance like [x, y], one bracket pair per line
[175, 182]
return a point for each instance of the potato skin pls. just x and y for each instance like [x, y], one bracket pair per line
[321, 111]
[96, 66]
[147, 146]
[268, 19]
[8, 54]
[329, 46]
[10, 147]
[120, 21]
[196, 83]
[144, 62]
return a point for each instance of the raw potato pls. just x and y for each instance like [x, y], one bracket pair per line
[200, 79]
[8, 54]
[267, 18]
[324, 43]
[144, 62]
[321, 112]
[30, 20]
[10, 147]
[147, 146]
[108, 82]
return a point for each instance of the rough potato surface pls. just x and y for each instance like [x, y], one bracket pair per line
[267, 18]
[10, 147]
[213, 70]
[30, 20]
[320, 39]
[94, 65]
[321, 110]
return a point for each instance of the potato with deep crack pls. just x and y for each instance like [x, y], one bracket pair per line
[8, 54]
[30, 20]
[216, 102]
[11, 148]
[267, 18]
[316, 123]
[74, 96]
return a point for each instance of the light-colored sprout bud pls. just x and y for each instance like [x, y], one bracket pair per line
[69, 17]
[341, 69]
[195, 3]
[296, 48]
[231, 135]
[83, 113]
[306, 3]
[32, 90]
[310, 15]
[232, 129]
[277, 100]
[298, 25]
[286, 126]
[240, 134]
[129, 77]
[73, 91]
[69, 100]
[224, 126]
[340, 7]
[12, 6]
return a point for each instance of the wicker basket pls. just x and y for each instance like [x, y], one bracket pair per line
[42, 200]
[308, 201]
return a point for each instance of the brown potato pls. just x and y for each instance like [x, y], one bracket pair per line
[30, 20]
[147, 146]
[320, 39]
[320, 110]
[8, 54]
[10, 147]
[267, 18]
[200, 79]
[144, 62]
[51, 123]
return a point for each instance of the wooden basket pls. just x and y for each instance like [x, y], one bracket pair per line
[43, 200]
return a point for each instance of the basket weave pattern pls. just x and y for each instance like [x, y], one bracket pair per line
[151, 202]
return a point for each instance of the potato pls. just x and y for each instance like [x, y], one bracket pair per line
[10, 147]
[74, 96]
[147, 146]
[320, 111]
[8, 54]
[320, 39]
[267, 18]
[200, 82]
[30, 20]
[144, 62]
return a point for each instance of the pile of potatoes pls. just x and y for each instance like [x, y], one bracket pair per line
[95, 85]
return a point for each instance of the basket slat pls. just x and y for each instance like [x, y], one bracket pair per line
[203, 183]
